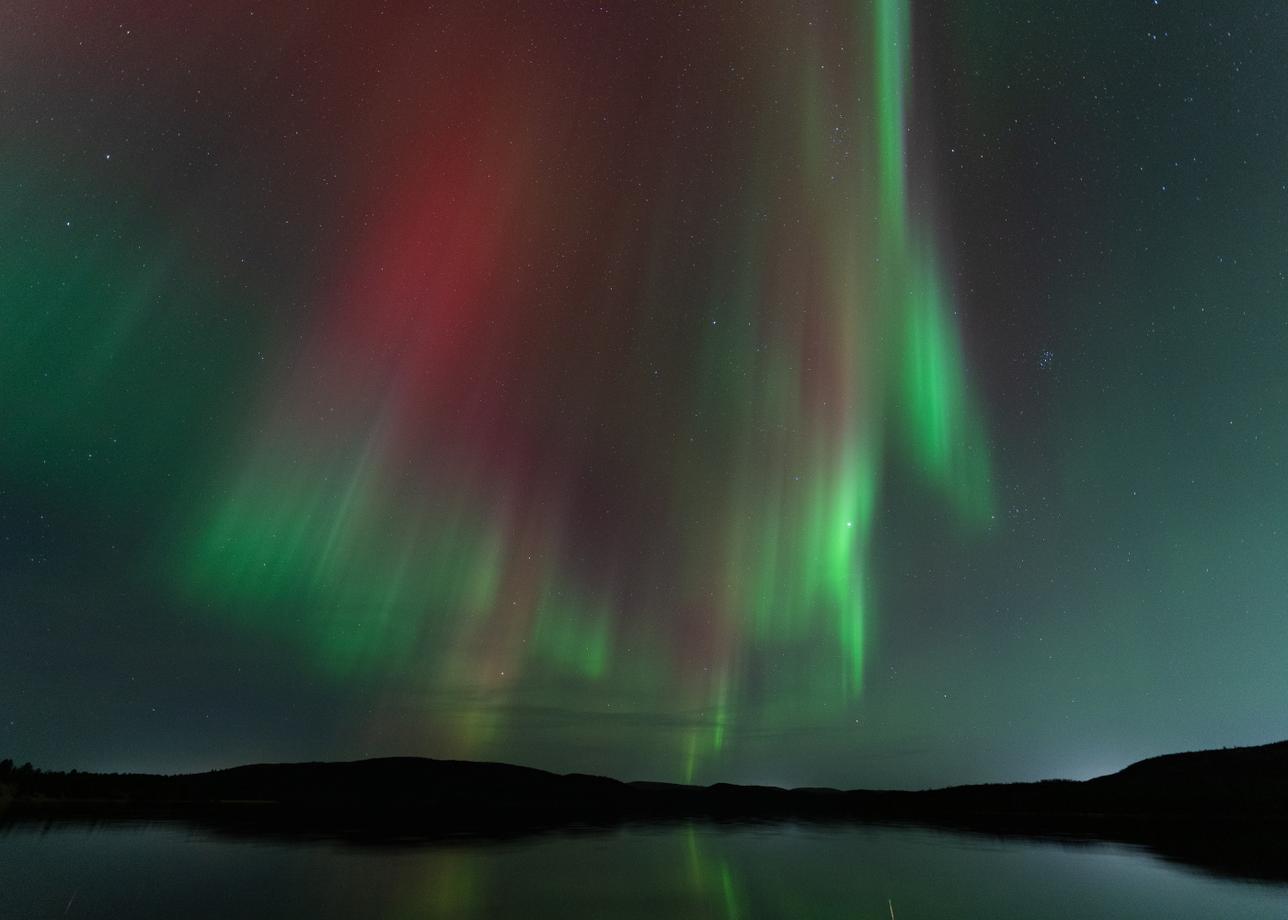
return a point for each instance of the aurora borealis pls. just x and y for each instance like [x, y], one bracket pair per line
[869, 392]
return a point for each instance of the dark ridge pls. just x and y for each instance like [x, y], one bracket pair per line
[1222, 812]
[1241, 784]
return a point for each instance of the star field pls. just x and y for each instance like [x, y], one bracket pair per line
[866, 393]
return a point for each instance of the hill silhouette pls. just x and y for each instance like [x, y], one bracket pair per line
[1244, 784]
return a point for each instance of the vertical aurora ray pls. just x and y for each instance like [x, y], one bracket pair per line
[605, 386]
[941, 424]
[576, 431]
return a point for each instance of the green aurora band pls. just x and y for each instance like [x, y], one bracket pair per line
[404, 498]
[437, 583]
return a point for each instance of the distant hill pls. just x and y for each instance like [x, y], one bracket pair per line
[1245, 780]
[419, 794]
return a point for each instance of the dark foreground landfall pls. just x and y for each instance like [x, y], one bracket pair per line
[1248, 784]
[1223, 810]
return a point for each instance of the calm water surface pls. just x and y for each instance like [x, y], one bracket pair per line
[173, 871]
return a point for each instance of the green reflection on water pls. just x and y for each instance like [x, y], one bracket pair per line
[641, 872]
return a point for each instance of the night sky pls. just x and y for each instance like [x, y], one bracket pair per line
[854, 393]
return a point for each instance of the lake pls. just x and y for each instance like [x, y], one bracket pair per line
[172, 870]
